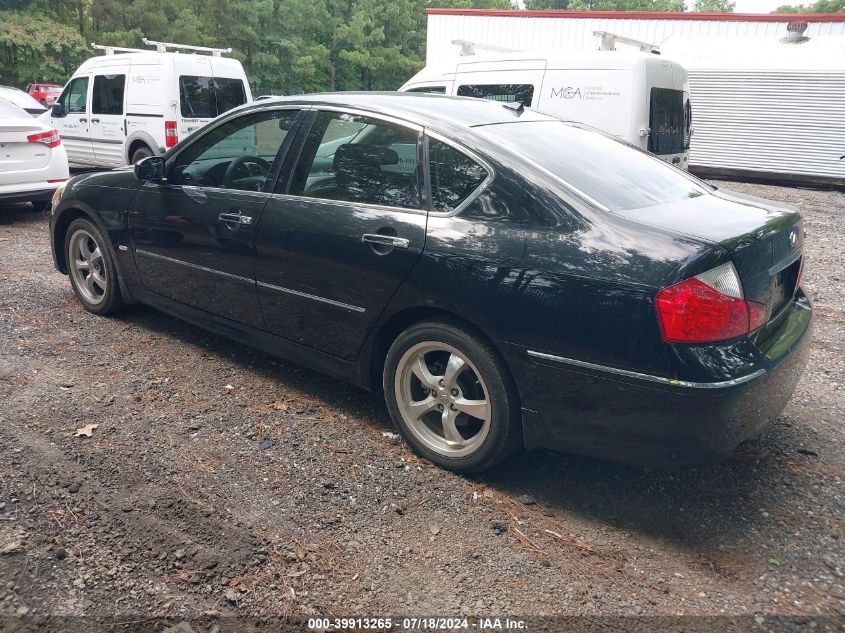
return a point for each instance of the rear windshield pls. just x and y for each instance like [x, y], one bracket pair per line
[52, 89]
[613, 174]
[208, 97]
[9, 110]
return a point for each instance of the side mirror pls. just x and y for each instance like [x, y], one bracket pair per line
[150, 169]
[57, 110]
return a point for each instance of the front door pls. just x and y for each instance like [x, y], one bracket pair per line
[73, 122]
[108, 131]
[335, 246]
[193, 235]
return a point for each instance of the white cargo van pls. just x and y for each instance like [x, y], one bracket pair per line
[638, 96]
[128, 104]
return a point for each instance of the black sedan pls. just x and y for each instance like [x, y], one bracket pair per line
[506, 279]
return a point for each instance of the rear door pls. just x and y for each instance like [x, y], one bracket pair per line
[73, 124]
[193, 236]
[108, 121]
[335, 246]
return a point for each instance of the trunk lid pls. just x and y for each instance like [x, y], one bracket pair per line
[17, 154]
[765, 239]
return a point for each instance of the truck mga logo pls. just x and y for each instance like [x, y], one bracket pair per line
[567, 93]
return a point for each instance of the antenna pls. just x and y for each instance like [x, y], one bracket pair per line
[608, 42]
[468, 48]
[161, 47]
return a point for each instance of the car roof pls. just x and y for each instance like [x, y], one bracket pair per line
[427, 110]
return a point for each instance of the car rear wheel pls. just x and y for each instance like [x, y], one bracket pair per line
[92, 272]
[451, 397]
[141, 153]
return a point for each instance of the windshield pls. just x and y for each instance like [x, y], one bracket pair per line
[613, 174]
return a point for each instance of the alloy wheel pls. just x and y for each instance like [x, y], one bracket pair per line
[88, 266]
[442, 399]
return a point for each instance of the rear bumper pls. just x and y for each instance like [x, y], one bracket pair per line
[42, 194]
[652, 421]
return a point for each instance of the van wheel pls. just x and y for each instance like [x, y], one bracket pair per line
[451, 397]
[141, 153]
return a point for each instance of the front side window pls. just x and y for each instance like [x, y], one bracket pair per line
[454, 176]
[435, 90]
[668, 121]
[505, 93]
[236, 155]
[108, 94]
[208, 97]
[358, 159]
[74, 98]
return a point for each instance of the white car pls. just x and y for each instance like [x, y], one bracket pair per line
[33, 161]
[22, 100]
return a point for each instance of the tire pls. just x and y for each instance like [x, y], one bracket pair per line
[430, 404]
[141, 153]
[92, 277]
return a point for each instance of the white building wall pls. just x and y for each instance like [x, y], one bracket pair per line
[553, 35]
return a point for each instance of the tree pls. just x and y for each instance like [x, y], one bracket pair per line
[821, 6]
[609, 5]
[714, 6]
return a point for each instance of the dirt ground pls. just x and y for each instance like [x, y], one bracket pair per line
[221, 485]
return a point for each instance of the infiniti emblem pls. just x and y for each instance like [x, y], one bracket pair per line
[792, 237]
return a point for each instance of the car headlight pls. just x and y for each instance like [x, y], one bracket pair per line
[57, 195]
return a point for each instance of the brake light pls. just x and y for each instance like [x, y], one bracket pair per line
[171, 136]
[707, 308]
[50, 138]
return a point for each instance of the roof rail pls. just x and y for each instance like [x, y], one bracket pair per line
[608, 42]
[111, 50]
[162, 47]
[468, 48]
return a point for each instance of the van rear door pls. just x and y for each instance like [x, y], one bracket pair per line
[108, 102]
[507, 81]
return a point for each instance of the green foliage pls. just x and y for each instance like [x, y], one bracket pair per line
[607, 5]
[821, 6]
[35, 48]
[714, 6]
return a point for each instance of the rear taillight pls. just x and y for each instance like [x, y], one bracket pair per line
[707, 308]
[171, 136]
[50, 139]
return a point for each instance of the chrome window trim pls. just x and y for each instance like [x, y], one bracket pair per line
[671, 382]
[204, 269]
[368, 114]
[305, 295]
[491, 173]
[347, 203]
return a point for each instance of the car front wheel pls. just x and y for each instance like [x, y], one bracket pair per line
[92, 272]
[451, 396]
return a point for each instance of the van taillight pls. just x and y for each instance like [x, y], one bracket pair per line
[50, 139]
[171, 137]
[707, 308]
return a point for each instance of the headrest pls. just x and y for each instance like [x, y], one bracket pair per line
[357, 156]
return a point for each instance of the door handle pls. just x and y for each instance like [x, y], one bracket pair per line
[386, 240]
[235, 218]
[83, 120]
[95, 120]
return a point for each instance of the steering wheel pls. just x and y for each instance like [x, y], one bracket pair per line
[229, 176]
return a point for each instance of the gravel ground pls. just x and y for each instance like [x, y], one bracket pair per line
[221, 483]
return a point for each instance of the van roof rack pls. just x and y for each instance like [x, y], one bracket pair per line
[468, 48]
[608, 42]
[162, 47]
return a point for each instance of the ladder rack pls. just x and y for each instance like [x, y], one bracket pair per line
[468, 48]
[111, 50]
[162, 47]
[608, 42]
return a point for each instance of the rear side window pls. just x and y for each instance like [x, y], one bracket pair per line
[454, 176]
[74, 97]
[359, 159]
[108, 94]
[669, 122]
[506, 93]
[208, 97]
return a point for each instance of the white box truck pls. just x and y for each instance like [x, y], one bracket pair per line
[638, 96]
[128, 104]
